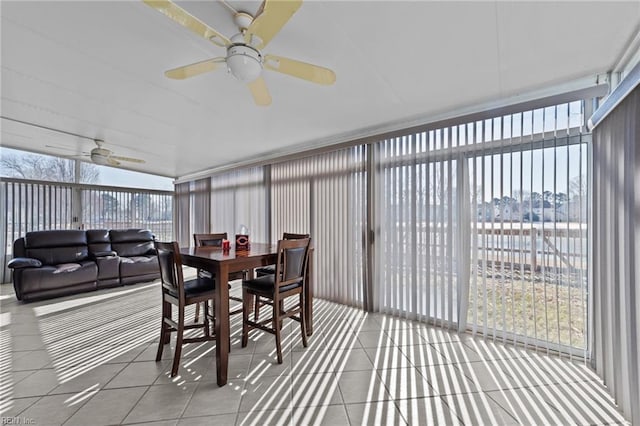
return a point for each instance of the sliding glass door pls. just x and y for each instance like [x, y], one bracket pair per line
[483, 226]
[419, 253]
[529, 245]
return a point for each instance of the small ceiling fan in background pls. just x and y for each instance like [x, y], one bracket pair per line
[244, 58]
[102, 156]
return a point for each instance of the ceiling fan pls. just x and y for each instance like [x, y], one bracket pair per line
[104, 156]
[244, 58]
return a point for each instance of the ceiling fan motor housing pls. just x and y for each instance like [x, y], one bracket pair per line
[244, 62]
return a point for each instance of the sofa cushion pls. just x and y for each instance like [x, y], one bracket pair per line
[133, 249]
[66, 267]
[57, 246]
[130, 235]
[55, 238]
[98, 254]
[98, 241]
[132, 242]
[138, 265]
[51, 277]
[55, 255]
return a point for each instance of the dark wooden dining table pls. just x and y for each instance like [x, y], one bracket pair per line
[221, 263]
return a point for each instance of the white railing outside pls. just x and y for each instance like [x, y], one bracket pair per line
[30, 205]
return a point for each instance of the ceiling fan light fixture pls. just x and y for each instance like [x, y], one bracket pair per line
[100, 159]
[244, 62]
[242, 20]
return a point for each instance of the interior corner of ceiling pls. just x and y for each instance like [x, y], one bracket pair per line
[630, 54]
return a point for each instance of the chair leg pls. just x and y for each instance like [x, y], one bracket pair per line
[205, 319]
[277, 325]
[160, 343]
[246, 304]
[179, 333]
[164, 330]
[281, 310]
[303, 323]
[197, 318]
[256, 309]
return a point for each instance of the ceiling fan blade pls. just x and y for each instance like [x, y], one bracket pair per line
[112, 162]
[303, 70]
[129, 159]
[192, 70]
[260, 92]
[271, 18]
[184, 18]
[65, 148]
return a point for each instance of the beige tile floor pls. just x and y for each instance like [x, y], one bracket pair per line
[89, 360]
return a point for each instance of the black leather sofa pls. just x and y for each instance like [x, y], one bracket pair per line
[61, 262]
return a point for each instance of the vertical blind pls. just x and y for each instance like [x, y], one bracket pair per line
[182, 213]
[325, 196]
[418, 250]
[238, 199]
[291, 198]
[201, 205]
[616, 206]
[31, 206]
[479, 226]
[483, 225]
[528, 174]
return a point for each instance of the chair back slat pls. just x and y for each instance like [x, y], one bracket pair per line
[170, 264]
[214, 240]
[292, 236]
[292, 260]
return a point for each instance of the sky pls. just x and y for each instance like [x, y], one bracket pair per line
[113, 176]
[117, 177]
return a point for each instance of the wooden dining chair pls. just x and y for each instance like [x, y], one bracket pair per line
[270, 270]
[175, 291]
[215, 240]
[287, 281]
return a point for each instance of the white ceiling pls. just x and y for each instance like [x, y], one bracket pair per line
[96, 69]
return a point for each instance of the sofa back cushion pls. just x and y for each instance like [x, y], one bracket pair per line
[98, 240]
[57, 246]
[131, 242]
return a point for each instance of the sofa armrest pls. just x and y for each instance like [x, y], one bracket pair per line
[109, 253]
[152, 252]
[24, 262]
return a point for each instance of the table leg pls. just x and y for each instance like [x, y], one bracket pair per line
[222, 323]
[308, 297]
